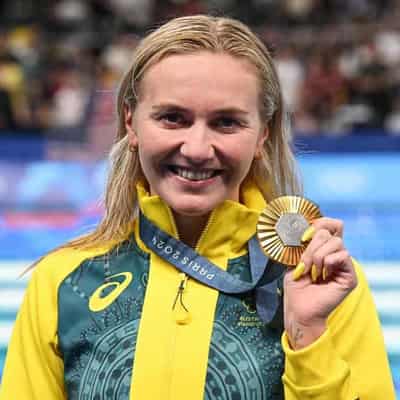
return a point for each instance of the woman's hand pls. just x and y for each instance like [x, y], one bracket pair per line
[320, 282]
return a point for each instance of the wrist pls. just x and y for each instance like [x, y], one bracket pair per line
[301, 334]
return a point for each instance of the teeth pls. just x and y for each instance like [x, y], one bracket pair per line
[192, 175]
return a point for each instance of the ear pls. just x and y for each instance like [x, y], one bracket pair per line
[260, 142]
[130, 131]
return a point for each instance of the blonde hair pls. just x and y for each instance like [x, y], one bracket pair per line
[275, 172]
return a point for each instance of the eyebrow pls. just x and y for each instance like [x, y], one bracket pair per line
[221, 111]
[165, 106]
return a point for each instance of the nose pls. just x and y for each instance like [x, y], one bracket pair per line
[197, 146]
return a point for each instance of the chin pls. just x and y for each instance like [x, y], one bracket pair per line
[194, 210]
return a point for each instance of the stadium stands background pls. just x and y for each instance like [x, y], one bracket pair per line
[60, 65]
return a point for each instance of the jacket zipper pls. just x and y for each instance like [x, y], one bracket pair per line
[182, 314]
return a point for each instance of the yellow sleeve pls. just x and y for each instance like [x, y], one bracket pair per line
[348, 361]
[33, 368]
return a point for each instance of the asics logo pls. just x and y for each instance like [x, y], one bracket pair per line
[97, 302]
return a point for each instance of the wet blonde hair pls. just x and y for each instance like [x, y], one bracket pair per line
[275, 172]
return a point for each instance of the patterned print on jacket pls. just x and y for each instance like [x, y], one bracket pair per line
[100, 305]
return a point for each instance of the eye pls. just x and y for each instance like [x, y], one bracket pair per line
[172, 119]
[227, 123]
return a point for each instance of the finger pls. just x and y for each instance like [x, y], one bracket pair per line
[308, 234]
[320, 237]
[339, 263]
[319, 256]
[334, 226]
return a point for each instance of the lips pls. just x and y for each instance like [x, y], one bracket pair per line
[194, 174]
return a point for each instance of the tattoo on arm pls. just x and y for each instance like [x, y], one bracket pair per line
[298, 336]
[295, 334]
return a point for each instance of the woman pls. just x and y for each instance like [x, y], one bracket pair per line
[202, 145]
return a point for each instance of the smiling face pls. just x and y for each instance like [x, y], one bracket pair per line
[197, 128]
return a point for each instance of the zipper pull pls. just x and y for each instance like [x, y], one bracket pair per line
[181, 313]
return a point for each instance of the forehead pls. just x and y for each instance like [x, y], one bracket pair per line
[218, 77]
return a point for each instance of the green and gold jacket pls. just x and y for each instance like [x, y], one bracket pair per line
[111, 323]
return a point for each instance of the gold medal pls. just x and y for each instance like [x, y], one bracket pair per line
[281, 226]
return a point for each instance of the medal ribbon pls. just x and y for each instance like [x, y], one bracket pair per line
[183, 257]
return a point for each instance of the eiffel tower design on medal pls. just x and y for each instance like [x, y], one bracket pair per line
[281, 226]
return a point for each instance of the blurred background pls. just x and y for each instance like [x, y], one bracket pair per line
[60, 65]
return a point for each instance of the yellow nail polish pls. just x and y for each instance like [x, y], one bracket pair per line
[298, 272]
[308, 234]
[324, 273]
[314, 273]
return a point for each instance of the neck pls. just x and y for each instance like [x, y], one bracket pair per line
[190, 228]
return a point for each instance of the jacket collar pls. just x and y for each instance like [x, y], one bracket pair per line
[229, 228]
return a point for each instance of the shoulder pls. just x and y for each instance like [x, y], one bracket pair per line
[52, 268]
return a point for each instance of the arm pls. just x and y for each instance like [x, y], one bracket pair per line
[348, 361]
[33, 368]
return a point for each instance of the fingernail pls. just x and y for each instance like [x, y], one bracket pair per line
[324, 273]
[314, 273]
[298, 272]
[308, 234]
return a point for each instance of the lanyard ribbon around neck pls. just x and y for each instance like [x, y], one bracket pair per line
[266, 283]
